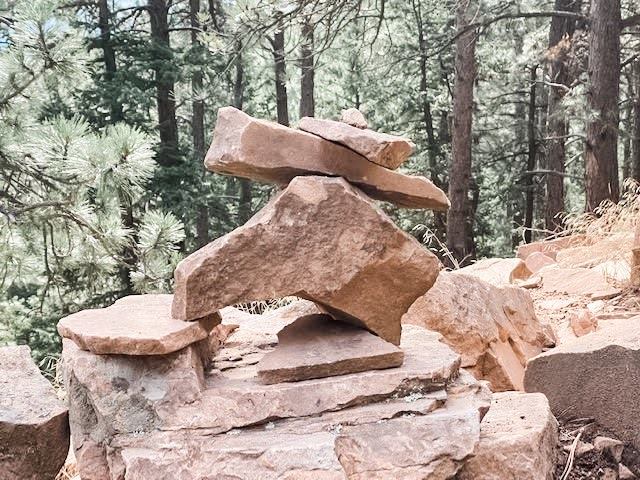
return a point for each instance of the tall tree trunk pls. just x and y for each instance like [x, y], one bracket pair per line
[307, 100]
[246, 189]
[109, 55]
[635, 142]
[277, 44]
[627, 121]
[163, 64]
[458, 217]
[601, 149]
[532, 152]
[197, 123]
[560, 35]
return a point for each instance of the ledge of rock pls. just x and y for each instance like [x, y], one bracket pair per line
[325, 241]
[594, 376]
[316, 346]
[34, 426]
[385, 150]
[498, 271]
[518, 440]
[495, 329]
[167, 417]
[134, 327]
[268, 152]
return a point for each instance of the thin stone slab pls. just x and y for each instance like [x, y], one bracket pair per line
[134, 328]
[320, 239]
[316, 346]
[388, 151]
[34, 426]
[268, 152]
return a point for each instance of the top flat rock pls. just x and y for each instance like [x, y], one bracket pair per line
[388, 151]
[353, 117]
[133, 327]
[268, 152]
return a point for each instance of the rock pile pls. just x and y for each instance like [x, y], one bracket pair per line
[329, 387]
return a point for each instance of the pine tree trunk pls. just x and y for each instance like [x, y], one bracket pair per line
[246, 188]
[277, 44]
[532, 152]
[601, 149]
[458, 217]
[167, 124]
[109, 54]
[557, 127]
[635, 141]
[307, 100]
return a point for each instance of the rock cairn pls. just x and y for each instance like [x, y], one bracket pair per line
[328, 387]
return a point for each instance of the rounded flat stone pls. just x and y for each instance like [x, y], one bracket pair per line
[134, 328]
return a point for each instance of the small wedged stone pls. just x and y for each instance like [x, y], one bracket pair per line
[320, 239]
[594, 376]
[268, 152]
[388, 151]
[316, 346]
[354, 117]
[134, 327]
[518, 439]
[34, 425]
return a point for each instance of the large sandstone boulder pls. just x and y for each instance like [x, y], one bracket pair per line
[577, 281]
[319, 239]
[495, 329]
[594, 376]
[518, 440]
[268, 152]
[386, 150]
[34, 426]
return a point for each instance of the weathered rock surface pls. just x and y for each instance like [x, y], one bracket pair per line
[550, 247]
[34, 425]
[133, 327]
[316, 346]
[518, 439]
[388, 151]
[537, 261]
[495, 329]
[353, 117]
[498, 271]
[268, 152]
[166, 417]
[595, 376]
[577, 281]
[582, 322]
[320, 239]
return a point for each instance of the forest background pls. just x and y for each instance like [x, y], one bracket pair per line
[520, 110]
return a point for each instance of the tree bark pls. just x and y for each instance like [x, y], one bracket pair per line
[532, 152]
[635, 141]
[109, 55]
[246, 189]
[561, 30]
[459, 222]
[277, 44]
[601, 149]
[307, 100]
[163, 56]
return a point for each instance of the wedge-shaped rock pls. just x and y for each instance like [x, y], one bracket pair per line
[132, 327]
[594, 376]
[320, 239]
[316, 346]
[34, 424]
[495, 329]
[267, 152]
[518, 440]
[498, 271]
[388, 151]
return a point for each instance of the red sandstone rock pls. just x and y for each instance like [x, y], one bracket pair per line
[268, 152]
[577, 281]
[498, 271]
[495, 329]
[320, 239]
[131, 327]
[354, 117]
[316, 346]
[34, 427]
[583, 322]
[537, 261]
[550, 247]
[388, 151]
